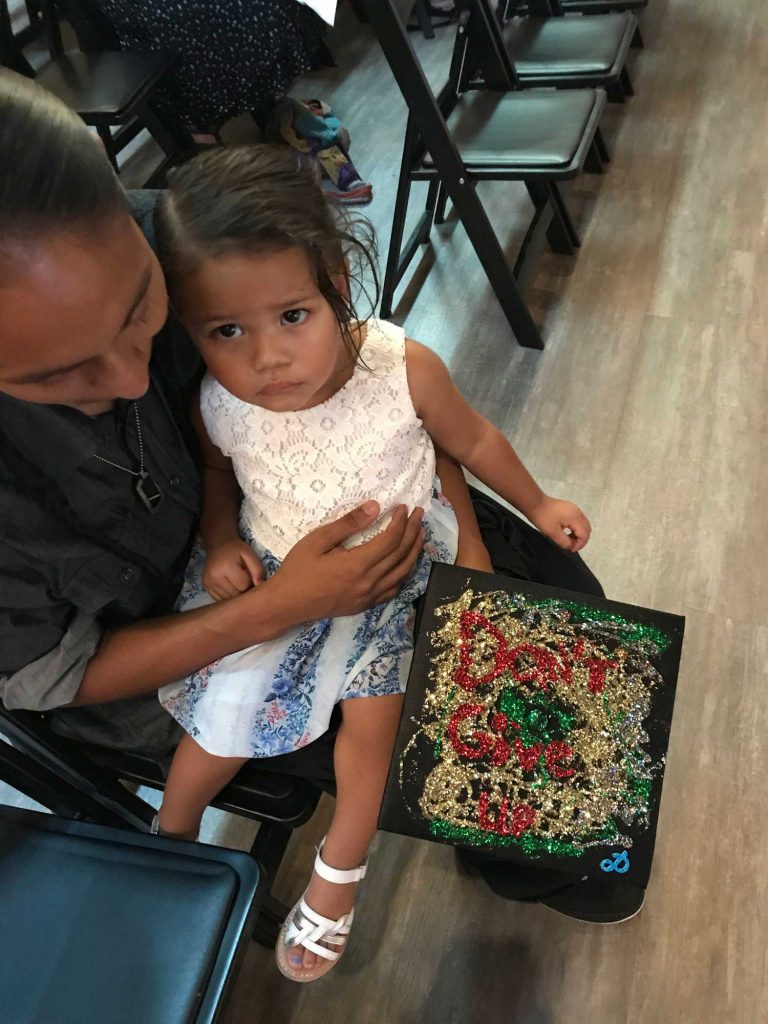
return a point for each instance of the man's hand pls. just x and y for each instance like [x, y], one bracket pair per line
[324, 580]
[554, 517]
[230, 569]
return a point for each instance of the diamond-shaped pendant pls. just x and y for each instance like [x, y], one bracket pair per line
[148, 491]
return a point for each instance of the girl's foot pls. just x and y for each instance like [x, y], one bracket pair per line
[315, 932]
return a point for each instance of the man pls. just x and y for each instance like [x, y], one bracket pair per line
[99, 486]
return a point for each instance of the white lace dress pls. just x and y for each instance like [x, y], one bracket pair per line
[297, 471]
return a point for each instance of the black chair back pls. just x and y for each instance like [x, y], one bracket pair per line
[11, 53]
[92, 27]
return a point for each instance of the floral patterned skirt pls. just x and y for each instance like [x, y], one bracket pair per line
[277, 696]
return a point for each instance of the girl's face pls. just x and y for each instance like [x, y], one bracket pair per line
[264, 329]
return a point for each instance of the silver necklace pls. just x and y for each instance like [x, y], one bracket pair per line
[146, 488]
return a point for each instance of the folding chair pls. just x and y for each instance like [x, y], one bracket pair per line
[602, 7]
[453, 142]
[84, 780]
[548, 49]
[103, 925]
[109, 89]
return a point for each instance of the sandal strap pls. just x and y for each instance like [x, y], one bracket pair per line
[335, 874]
[307, 928]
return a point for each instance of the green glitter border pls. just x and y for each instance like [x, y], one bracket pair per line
[631, 631]
[529, 844]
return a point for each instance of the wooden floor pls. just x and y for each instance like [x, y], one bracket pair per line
[648, 406]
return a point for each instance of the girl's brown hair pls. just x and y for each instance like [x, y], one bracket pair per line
[262, 199]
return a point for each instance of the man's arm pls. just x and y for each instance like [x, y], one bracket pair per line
[317, 579]
[52, 655]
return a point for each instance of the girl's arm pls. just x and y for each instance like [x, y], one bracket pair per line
[231, 565]
[473, 442]
[472, 553]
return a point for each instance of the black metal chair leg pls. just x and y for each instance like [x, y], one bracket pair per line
[398, 227]
[601, 147]
[168, 133]
[594, 164]
[562, 216]
[424, 19]
[106, 138]
[626, 83]
[496, 266]
[615, 93]
[440, 207]
[395, 246]
[272, 913]
[434, 192]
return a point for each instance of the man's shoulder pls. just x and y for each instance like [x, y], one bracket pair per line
[143, 203]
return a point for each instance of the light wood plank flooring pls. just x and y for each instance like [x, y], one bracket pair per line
[648, 407]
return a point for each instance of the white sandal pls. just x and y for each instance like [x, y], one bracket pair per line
[304, 927]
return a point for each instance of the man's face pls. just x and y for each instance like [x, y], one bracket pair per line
[77, 316]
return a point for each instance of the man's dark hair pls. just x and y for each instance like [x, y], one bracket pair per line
[54, 175]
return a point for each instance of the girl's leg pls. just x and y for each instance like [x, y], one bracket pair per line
[361, 760]
[193, 781]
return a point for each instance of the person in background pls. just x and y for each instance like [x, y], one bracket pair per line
[233, 58]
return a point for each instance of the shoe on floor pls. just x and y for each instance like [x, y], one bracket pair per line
[597, 902]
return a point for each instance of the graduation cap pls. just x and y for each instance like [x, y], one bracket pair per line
[535, 725]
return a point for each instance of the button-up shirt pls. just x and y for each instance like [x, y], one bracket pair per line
[79, 552]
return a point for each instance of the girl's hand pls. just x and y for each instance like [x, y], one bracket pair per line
[232, 568]
[474, 555]
[553, 517]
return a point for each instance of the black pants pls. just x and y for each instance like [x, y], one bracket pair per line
[516, 550]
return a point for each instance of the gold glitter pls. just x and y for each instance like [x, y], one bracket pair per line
[550, 736]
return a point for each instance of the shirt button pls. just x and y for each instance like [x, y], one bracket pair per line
[174, 481]
[127, 574]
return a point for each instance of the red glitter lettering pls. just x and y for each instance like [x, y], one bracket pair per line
[470, 624]
[555, 752]
[523, 818]
[483, 739]
[545, 670]
[598, 669]
[499, 825]
[528, 756]
[501, 748]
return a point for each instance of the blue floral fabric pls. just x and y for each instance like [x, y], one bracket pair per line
[277, 696]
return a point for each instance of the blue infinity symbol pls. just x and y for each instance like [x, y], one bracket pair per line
[619, 864]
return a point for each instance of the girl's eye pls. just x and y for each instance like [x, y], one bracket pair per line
[229, 331]
[294, 316]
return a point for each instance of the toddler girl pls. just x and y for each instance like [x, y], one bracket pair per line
[307, 412]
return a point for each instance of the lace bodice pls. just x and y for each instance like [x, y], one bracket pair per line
[300, 470]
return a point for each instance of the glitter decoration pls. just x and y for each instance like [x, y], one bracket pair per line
[536, 712]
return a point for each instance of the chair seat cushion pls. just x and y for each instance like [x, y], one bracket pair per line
[537, 129]
[599, 6]
[100, 931]
[103, 86]
[569, 46]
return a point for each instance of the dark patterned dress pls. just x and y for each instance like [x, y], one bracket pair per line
[235, 56]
